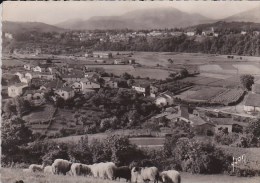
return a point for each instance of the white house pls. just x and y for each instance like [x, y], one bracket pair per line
[16, 89]
[90, 84]
[164, 99]
[65, 93]
[191, 33]
[37, 69]
[8, 35]
[142, 88]
[252, 103]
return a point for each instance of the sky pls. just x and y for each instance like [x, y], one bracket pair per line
[53, 12]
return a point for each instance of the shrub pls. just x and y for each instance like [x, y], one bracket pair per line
[226, 139]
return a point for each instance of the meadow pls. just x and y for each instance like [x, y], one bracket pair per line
[11, 175]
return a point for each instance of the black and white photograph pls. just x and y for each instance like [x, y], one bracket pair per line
[130, 91]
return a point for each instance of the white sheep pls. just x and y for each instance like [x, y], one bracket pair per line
[36, 168]
[75, 169]
[170, 176]
[48, 170]
[145, 174]
[61, 166]
[27, 170]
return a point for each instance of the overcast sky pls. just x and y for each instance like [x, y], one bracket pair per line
[53, 12]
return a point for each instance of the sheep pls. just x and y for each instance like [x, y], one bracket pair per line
[75, 169]
[48, 170]
[109, 170]
[145, 174]
[61, 166]
[94, 170]
[27, 170]
[170, 176]
[122, 172]
[103, 170]
[85, 170]
[36, 168]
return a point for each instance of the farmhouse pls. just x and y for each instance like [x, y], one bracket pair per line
[119, 61]
[142, 88]
[252, 103]
[190, 33]
[16, 89]
[164, 99]
[102, 55]
[65, 93]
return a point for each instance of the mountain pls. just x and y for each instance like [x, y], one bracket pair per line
[252, 15]
[222, 25]
[15, 27]
[139, 19]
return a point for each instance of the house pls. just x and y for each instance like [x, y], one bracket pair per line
[102, 55]
[119, 61]
[90, 84]
[153, 91]
[110, 82]
[46, 75]
[190, 33]
[33, 94]
[164, 99]
[243, 32]
[252, 103]
[17, 89]
[65, 93]
[93, 75]
[142, 88]
[227, 125]
[8, 35]
[210, 32]
[256, 89]
[27, 67]
[76, 75]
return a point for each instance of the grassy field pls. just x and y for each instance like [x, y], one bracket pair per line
[12, 175]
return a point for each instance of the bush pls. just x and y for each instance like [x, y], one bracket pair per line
[226, 139]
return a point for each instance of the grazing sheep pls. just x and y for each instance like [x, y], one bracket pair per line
[122, 172]
[85, 170]
[170, 176]
[94, 170]
[48, 170]
[36, 168]
[109, 170]
[61, 166]
[75, 169]
[145, 174]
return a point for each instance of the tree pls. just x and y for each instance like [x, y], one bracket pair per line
[127, 76]
[170, 61]
[8, 108]
[254, 128]
[184, 73]
[247, 81]
[14, 135]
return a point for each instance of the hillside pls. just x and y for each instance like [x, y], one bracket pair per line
[252, 15]
[15, 27]
[223, 25]
[139, 19]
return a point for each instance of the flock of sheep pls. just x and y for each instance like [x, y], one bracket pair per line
[107, 170]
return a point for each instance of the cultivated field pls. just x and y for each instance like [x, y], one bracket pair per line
[12, 175]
